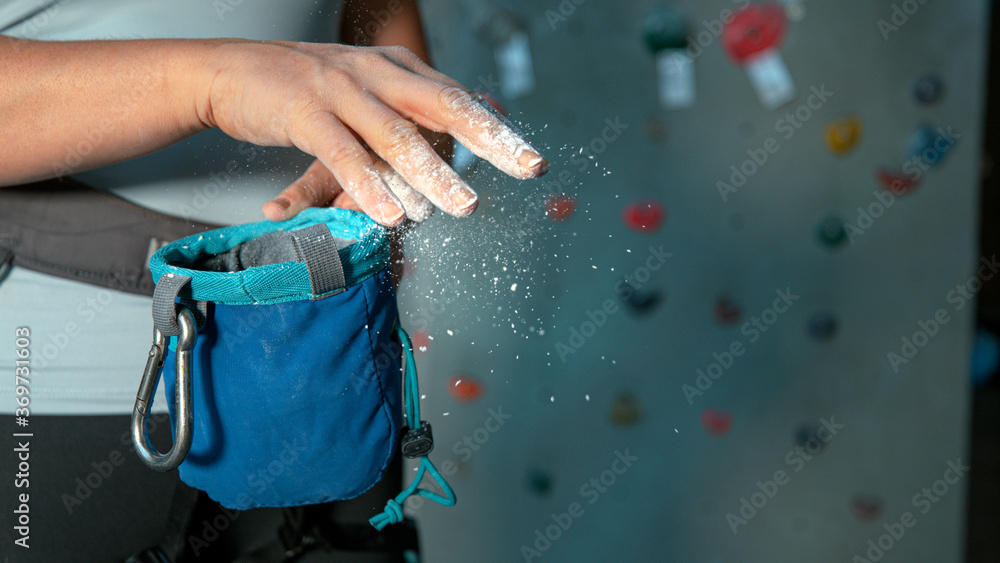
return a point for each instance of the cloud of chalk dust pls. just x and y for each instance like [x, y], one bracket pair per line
[491, 268]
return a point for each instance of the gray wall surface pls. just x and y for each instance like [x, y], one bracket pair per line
[503, 294]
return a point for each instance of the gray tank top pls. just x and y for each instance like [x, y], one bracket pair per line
[89, 344]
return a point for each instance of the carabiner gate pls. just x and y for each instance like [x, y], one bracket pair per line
[144, 399]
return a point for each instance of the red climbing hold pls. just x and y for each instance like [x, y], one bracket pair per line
[644, 216]
[420, 340]
[717, 423]
[727, 311]
[464, 388]
[753, 30]
[896, 182]
[866, 507]
[559, 207]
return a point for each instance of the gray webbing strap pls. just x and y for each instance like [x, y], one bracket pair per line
[6, 257]
[317, 248]
[63, 228]
[165, 307]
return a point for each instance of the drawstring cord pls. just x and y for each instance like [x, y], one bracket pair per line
[417, 442]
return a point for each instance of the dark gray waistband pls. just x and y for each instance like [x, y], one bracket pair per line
[67, 229]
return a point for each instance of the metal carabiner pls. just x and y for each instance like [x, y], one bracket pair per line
[144, 399]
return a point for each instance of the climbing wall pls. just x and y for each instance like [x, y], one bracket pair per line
[733, 322]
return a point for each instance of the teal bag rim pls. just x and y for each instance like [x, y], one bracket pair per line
[360, 260]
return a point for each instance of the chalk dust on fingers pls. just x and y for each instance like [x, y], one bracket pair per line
[423, 170]
[373, 196]
[493, 137]
[418, 208]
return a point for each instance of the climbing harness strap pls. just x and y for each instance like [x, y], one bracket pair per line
[67, 229]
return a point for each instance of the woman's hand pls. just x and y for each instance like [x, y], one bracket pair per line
[337, 102]
[318, 187]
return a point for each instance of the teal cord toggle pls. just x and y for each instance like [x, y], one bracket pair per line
[393, 513]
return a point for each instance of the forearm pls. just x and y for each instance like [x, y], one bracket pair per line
[72, 106]
[65, 107]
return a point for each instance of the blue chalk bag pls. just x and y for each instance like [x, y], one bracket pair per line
[281, 347]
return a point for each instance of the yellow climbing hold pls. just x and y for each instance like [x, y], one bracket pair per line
[843, 134]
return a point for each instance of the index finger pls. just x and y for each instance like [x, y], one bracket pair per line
[433, 100]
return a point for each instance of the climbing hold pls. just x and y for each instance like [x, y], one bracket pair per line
[644, 216]
[420, 340]
[626, 410]
[751, 39]
[866, 506]
[832, 232]
[638, 301]
[843, 134]
[727, 311]
[559, 207]
[897, 182]
[807, 437]
[539, 482]
[985, 357]
[666, 35]
[464, 388]
[822, 326]
[929, 145]
[928, 89]
[665, 28]
[717, 423]
[753, 30]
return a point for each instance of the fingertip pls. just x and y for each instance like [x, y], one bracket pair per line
[276, 210]
[391, 214]
[467, 208]
[421, 213]
[535, 163]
